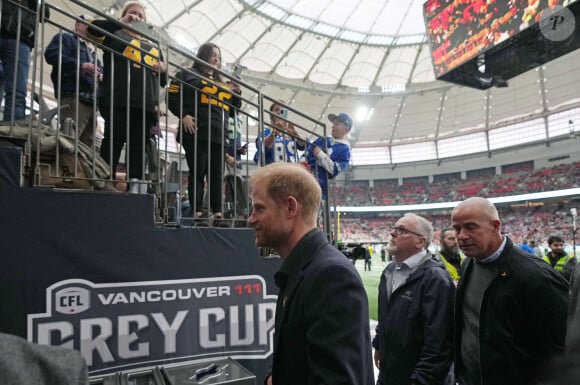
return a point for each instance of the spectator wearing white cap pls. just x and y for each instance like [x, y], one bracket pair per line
[328, 157]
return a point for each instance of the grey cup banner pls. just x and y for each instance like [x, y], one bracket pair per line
[122, 325]
[92, 272]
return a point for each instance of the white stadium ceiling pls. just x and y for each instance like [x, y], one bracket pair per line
[371, 59]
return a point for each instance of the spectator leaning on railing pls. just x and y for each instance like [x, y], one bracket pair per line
[130, 58]
[204, 102]
[61, 53]
[328, 157]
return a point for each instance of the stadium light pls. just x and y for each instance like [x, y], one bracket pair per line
[361, 114]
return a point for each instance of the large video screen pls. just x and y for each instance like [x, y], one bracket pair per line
[459, 30]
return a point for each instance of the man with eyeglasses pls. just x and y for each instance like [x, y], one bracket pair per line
[414, 337]
[510, 312]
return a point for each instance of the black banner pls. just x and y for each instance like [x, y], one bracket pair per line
[92, 272]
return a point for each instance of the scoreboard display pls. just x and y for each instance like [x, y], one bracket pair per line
[461, 30]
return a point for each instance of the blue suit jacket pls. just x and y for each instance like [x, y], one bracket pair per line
[322, 321]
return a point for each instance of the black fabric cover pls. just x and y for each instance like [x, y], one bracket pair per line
[50, 235]
[10, 164]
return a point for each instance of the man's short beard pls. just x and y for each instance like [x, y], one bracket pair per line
[451, 250]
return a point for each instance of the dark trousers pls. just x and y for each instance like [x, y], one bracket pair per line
[116, 129]
[13, 76]
[368, 264]
[203, 162]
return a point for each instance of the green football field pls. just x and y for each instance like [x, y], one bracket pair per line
[371, 281]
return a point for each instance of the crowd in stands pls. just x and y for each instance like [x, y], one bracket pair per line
[519, 179]
[519, 223]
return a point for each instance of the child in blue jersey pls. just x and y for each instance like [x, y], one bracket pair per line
[328, 160]
[279, 146]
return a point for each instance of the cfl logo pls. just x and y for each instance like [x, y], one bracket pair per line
[72, 300]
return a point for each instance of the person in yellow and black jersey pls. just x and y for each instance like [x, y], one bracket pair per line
[204, 102]
[450, 254]
[133, 73]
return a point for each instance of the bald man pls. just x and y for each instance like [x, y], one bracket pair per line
[510, 309]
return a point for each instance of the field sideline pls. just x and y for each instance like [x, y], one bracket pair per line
[371, 281]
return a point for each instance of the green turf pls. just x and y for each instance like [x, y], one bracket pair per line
[371, 281]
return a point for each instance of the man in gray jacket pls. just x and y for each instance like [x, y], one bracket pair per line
[414, 342]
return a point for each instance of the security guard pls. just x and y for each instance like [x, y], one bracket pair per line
[450, 254]
[558, 258]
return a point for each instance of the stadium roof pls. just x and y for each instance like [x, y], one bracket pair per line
[371, 59]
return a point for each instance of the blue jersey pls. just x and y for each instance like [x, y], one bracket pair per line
[330, 164]
[285, 149]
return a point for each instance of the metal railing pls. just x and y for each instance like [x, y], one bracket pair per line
[57, 155]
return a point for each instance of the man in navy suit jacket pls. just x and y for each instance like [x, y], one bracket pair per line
[322, 320]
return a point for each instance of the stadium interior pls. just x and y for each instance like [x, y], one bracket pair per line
[419, 144]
